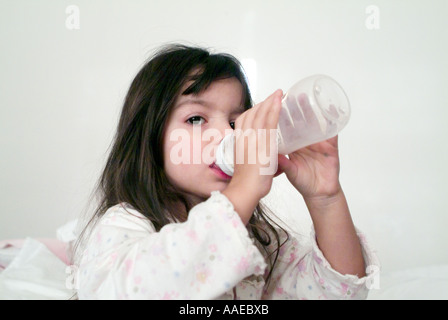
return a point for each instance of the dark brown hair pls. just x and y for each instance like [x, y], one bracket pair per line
[134, 172]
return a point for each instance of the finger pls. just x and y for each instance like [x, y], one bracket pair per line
[268, 112]
[334, 141]
[279, 172]
[273, 99]
[285, 165]
[274, 110]
[264, 121]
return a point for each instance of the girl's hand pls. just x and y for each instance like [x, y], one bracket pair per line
[314, 170]
[258, 154]
[252, 180]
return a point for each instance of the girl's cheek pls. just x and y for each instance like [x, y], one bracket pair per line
[209, 152]
[195, 146]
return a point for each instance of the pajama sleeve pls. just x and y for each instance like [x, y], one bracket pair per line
[302, 272]
[202, 258]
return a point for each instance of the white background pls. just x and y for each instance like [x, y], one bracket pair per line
[61, 91]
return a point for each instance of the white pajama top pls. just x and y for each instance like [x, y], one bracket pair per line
[209, 256]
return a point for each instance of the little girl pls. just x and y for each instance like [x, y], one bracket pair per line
[166, 229]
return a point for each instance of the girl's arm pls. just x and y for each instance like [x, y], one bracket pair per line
[335, 233]
[314, 172]
[249, 184]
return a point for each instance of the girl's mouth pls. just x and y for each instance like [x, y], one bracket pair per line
[219, 172]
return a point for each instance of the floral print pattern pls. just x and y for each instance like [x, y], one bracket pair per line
[210, 256]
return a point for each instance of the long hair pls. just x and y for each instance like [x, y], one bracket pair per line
[134, 172]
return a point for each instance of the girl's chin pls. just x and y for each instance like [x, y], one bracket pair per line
[202, 195]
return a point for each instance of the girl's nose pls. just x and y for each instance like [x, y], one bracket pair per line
[221, 125]
[225, 129]
[211, 139]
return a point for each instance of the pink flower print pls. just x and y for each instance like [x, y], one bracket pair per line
[170, 295]
[317, 259]
[235, 222]
[243, 265]
[213, 247]
[192, 235]
[202, 274]
[292, 257]
[282, 251]
[138, 280]
[112, 258]
[302, 266]
[322, 283]
[166, 296]
[128, 264]
[344, 289]
[98, 237]
[279, 290]
[258, 270]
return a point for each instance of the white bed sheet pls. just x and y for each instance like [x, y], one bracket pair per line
[423, 283]
[34, 273]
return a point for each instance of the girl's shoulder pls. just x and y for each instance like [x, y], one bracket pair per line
[124, 216]
[118, 225]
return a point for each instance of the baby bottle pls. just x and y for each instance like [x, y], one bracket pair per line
[313, 110]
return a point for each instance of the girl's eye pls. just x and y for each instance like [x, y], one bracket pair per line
[232, 124]
[196, 120]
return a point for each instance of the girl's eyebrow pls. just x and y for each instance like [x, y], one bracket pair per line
[204, 103]
[193, 101]
[238, 110]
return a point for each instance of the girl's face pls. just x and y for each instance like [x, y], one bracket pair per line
[194, 129]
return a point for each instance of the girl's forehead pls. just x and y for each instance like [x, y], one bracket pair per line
[227, 91]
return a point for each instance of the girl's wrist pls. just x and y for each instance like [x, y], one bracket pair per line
[325, 201]
[243, 199]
